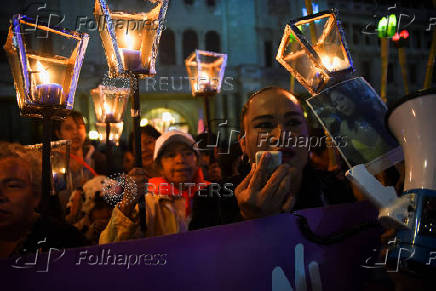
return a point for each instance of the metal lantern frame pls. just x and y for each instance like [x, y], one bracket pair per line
[194, 66]
[111, 42]
[293, 33]
[19, 54]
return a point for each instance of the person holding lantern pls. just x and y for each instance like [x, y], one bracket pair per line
[168, 197]
[293, 185]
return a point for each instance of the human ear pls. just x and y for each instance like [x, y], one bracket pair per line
[242, 143]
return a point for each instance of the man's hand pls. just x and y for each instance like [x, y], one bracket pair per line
[129, 201]
[257, 200]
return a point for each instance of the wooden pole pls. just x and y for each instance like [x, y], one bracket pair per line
[108, 148]
[207, 122]
[311, 25]
[136, 117]
[430, 62]
[403, 65]
[384, 50]
[46, 185]
[431, 57]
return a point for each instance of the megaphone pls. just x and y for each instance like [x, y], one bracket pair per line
[412, 121]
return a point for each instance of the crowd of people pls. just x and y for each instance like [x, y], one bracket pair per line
[184, 186]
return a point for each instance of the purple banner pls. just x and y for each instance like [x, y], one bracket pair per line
[264, 254]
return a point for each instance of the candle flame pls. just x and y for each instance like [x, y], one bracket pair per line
[44, 76]
[107, 108]
[130, 42]
[203, 80]
[333, 63]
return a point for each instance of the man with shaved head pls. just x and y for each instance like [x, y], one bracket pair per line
[271, 120]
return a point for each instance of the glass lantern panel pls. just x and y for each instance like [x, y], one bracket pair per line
[192, 69]
[60, 164]
[116, 129]
[323, 35]
[296, 58]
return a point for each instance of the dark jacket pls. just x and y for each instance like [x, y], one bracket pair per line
[49, 233]
[215, 207]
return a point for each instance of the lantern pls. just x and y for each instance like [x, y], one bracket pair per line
[45, 64]
[115, 131]
[60, 179]
[314, 50]
[206, 71]
[131, 40]
[110, 103]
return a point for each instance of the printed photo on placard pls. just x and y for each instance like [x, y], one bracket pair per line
[353, 111]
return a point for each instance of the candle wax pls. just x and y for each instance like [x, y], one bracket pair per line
[110, 118]
[131, 59]
[49, 94]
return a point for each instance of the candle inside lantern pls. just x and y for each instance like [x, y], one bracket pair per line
[334, 63]
[109, 115]
[203, 82]
[47, 93]
[59, 179]
[131, 57]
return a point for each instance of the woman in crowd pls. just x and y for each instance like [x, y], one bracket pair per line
[22, 229]
[169, 197]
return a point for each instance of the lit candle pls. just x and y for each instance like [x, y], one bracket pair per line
[59, 179]
[334, 63]
[109, 116]
[47, 93]
[204, 82]
[131, 57]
